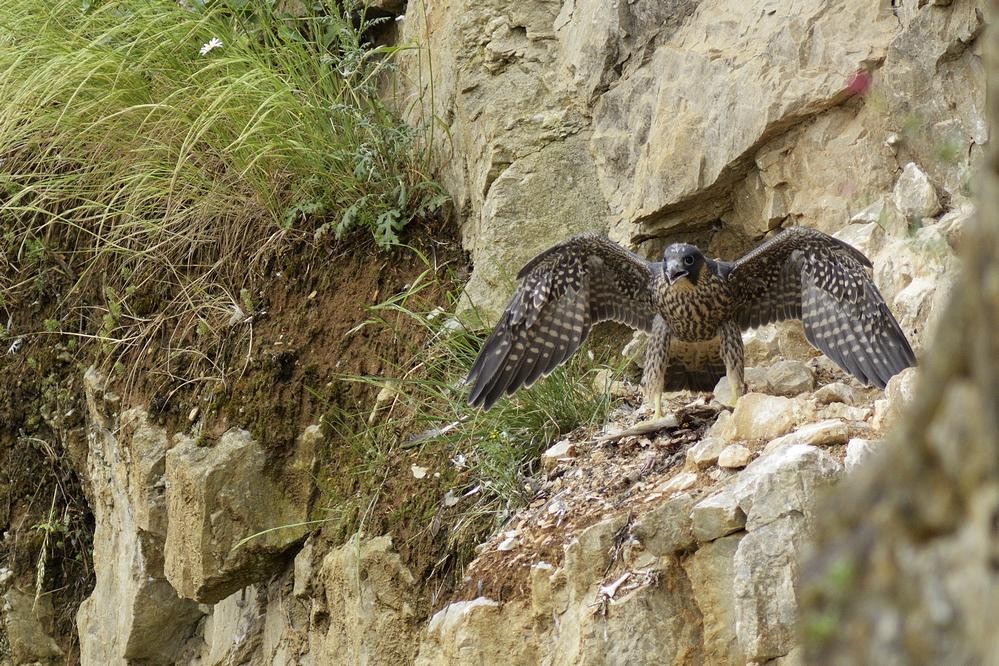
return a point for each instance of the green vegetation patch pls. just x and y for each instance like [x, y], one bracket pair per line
[159, 155]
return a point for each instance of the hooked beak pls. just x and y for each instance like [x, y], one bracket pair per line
[674, 271]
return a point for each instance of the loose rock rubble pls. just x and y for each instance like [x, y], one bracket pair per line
[679, 538]
[720, 505]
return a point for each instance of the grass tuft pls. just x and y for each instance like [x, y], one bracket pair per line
[157, 156]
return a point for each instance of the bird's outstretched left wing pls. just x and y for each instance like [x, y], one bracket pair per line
[563, 292]
[805, 274]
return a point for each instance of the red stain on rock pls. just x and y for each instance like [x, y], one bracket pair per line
[859, 83]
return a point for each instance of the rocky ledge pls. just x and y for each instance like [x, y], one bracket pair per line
[680, 546]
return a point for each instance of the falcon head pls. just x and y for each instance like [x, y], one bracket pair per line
[681, 260]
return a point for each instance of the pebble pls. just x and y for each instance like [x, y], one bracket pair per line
[837, 392]
[558, 451]
[823, 433]
[734, 456]
[681, 481]
[858, 450]
[705, 453]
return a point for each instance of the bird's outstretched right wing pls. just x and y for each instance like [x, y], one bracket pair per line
[805, 274]
[563, 292]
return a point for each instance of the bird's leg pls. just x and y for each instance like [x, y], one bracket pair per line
[733, 356]
[656, 360]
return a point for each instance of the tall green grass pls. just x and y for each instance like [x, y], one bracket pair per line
[139, 165]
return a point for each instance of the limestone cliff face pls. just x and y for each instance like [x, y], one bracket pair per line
[704, 119]
[907, 568]
[710, 120]
[715, 121]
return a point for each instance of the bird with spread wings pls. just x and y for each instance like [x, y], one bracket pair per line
[694, 310]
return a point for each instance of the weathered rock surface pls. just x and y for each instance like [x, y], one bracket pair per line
[479, 631]
[734, 456]
[766, 574]
[821, 433]
[228, 520]
[712, 579]
[694, 562]
[905, 569]
[368, 597]
[858, 450]
[653, 118]
[668, 528]
[914, 196]
[705, 452]
[27, 626]
[761, 416]
[717, 516]
[790, 378]
[704, 120]
[732, 599]
[134, 613]
[837, 392]
[780, 482]
[898, 394]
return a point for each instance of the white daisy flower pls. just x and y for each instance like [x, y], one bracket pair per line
[211, 45]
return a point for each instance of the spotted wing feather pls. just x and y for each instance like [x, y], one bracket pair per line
[563, 292]
[805, 274]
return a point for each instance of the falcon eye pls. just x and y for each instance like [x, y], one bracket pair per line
[688, 260]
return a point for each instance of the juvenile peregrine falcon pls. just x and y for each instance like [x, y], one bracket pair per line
[691, 306]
